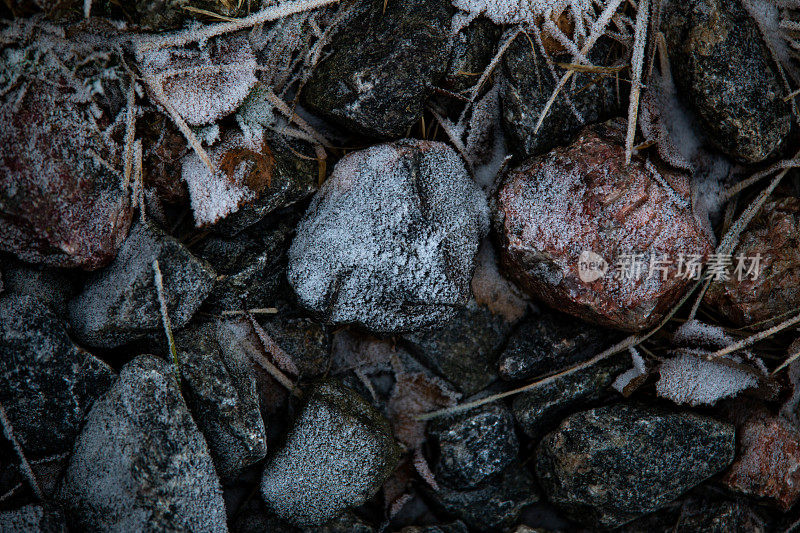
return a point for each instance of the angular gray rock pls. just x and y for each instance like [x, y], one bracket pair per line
[338, 453]
[47, 383]
[475, 446]
[223, 398]
[120, 304]
[527, 85]
[52, 287]
[389, 242]
[140, 463]
[607, 466]
[383, 65]
[537, 409]
[725, 72]
[33, 519]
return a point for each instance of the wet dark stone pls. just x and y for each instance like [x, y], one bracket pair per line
[47, 383]
[465, 350]
[475, 446]
[607, 466]
[725, 72]
[140, 462]
[528, 84]
[339, 452]
[33, 519]
[549, 340]
[493, 505]
[701, 514]
[221, 393]
[383, 66]
[536, 410]
[120, 303]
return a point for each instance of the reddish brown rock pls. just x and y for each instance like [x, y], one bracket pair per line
[768, 463]
[775, 235]
[555, 208]
[59, 203]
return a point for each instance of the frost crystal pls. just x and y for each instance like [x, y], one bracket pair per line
[687, 379]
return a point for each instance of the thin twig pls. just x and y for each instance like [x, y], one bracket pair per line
[27, 471]
[637, 58]
[273, 370]
[256, 311]
[754, 338]
[130, 132]
[162, 303]
[294, 117]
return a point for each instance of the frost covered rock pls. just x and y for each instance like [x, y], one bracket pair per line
[527, 85]
[33, 519]
[390, 240]
[337, 455]
[59, 204]
[120, 303]
[140, 463]
[772, 288]
[223, 398]
[596, 238]
[204, 84]
[254, 176]
[47, 383]
[724, 70]
[606, 466]
[384, 63]
[475, 446]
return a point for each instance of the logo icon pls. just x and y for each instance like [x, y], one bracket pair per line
[591, 266]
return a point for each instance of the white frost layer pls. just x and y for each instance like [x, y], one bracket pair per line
[390, 239]
[686, 379]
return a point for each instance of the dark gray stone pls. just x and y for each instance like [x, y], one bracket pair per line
[306, 342]
[528, 84]
[701, 514]
[52, 287]
[548, 341]
[494, 505]
[120, 304]
[223, 399]
[473, 49]
[140, 463]
[33, 519]
[390, 240]
[47, 383]
[455, 527]
[383, 66]
[606, 466]
[338, 453]
[463, 351]
[724, 71]
[474, 447]
[536, 410]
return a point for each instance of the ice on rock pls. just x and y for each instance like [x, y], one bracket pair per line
[140, 463]
[390, 240]
[338, 454]
[206, 84]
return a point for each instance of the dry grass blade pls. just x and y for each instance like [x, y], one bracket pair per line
[165, 321]
[209, 13]
[257, 311]
[492, 64]
[791, 359]
[8, 432]
[267, 365]
[294, 117]
[130, 131]
[637, 60]
[754, 338]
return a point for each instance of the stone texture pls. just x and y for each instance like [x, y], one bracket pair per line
[59, 205]
[338, 453]
[493, 505]
[221, 393]
[52, 287]
[776, 289]
[33, 519]
[47, 383]
[463, 351]
[474, 447]
[606, 466]
[528, 84]
[701, 514]
[547, 341]
[555, 209]
[725, 72]
[383, 66]
[389, 242]
[768, 462]
[140, 463]
[306, 342]
[537, 409]
[120, 304]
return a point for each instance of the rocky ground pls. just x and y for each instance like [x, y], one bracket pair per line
[413, 266]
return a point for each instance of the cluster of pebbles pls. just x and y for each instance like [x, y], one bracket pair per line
[237, 336]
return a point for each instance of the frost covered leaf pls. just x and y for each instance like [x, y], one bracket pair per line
[480, 135]
[628, 378]
[494, 291]
[415, 394]
[202, 84]
[688, 379]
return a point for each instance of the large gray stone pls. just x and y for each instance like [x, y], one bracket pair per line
[338, 453]
[33, 519]
[140, 463]
[120, 304]
[606, 466]
[389, 241]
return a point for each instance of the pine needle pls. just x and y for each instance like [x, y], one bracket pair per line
[754, 339]
[27, 471]
[257, 311]
[637, 60]
[162, 302]
[267, 365]
[130, 131]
